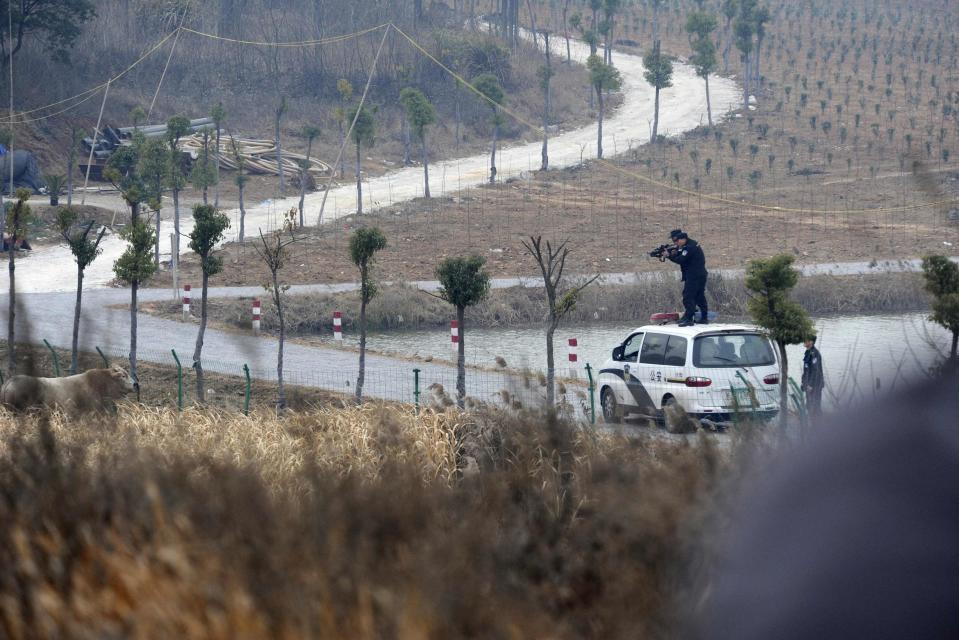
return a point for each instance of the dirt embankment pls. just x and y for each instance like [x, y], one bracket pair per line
[402, 307]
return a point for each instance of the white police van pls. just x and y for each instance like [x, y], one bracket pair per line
[713, 370]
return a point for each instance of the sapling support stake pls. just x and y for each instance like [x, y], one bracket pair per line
[246, 395]
[179, 381]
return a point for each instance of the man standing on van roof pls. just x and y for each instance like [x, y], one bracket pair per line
[690, 258]
[812, 377]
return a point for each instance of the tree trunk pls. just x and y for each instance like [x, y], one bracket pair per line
[74, 349]
[134, 288]
[361, 374]
[242, 210]
[746, 83]
[709, 108]
[655, 117]
[11, 309]
[176, 225]
[216, 187]
[407, 143]
[599, 122]
[544, 160]
[303, 177]
[461, 359]
[459, 118]
[71, 161]
[279, 151]
[759, 44]
[783, 387]
[426, 168]
[359, 183]
[198, 351]
[727, 36]
[156, 246]
[955, 344]
[278, 300]
[492, 157]
[550, 364]
[609, 43]
[532, 22]
[342, 144]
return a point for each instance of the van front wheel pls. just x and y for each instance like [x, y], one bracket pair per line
[610, 407]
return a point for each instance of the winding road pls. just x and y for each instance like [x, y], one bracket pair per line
[45, 279]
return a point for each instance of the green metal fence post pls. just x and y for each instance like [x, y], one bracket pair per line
[799, 399]
[106, 363]
[246, 396]
[592, 395]
[56, 358]
[179, 381]
[416, 389]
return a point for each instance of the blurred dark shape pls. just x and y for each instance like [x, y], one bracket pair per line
[854, 535]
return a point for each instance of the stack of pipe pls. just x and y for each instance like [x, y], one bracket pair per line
[258, 156]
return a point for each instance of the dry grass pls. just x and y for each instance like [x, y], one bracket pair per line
[356, 523]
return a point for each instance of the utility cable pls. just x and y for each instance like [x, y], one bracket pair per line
[92, 90]
[296, 44]
[186, 10]
[89, 93]
[356, 116]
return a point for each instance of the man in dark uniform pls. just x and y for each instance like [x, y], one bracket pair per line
[812, 378]
[690, 258]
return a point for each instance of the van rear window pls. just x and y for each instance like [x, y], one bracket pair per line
[733, 350]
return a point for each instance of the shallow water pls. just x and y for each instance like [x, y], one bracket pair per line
[860, 352]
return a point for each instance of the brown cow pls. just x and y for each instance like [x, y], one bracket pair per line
[94, 390]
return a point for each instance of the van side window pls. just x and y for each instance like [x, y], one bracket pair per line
[631, 347]
[654, 349]
[676, 352]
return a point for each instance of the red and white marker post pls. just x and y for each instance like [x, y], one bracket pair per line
[256, 316]
[338, 326]
[454, 336]
[186, 302]
[573, 346]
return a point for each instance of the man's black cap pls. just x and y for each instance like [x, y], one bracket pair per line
[680, 236]
[675, 233]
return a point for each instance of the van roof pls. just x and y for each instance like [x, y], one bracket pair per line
[698, 329]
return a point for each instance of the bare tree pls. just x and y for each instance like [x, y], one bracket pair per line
[559, 304]
[273, 250]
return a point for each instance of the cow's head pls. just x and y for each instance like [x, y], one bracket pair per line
[123, 379]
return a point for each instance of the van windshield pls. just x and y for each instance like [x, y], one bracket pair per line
[733, 350]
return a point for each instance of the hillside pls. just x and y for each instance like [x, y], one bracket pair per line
[252, 80]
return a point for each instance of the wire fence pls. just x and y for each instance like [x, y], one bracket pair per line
[420, 384]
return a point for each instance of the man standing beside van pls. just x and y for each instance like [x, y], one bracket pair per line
[812, 377]
[692, 261]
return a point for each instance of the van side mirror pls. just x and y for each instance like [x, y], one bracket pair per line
[618, 353]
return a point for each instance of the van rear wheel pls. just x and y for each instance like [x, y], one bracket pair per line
[610, 406]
